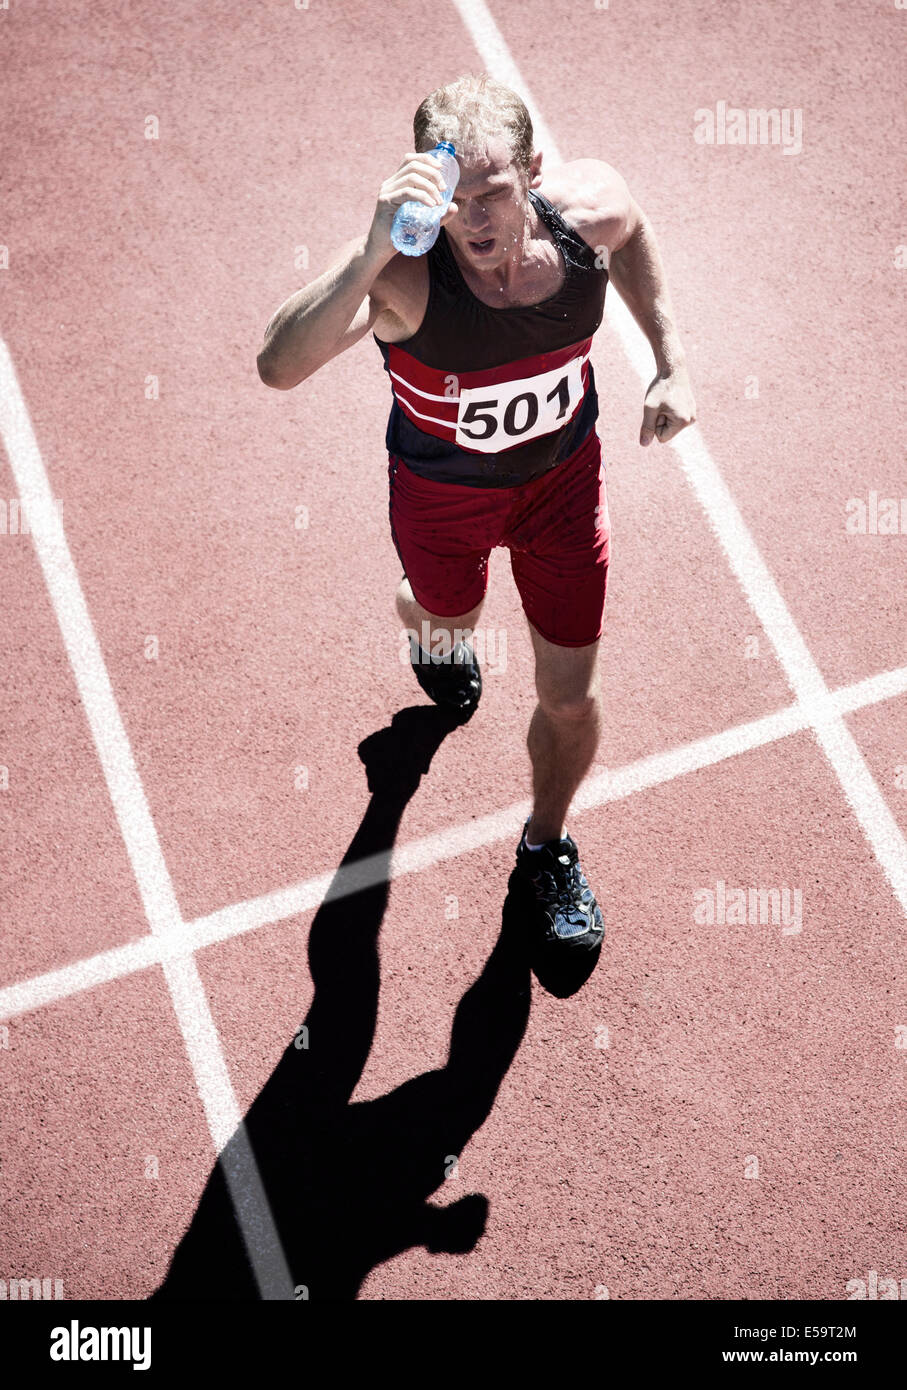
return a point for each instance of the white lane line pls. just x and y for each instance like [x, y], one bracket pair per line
[613, 785]
[87, 973]
[870, 691]
[860, 787]
[140, 837]
[765, 598]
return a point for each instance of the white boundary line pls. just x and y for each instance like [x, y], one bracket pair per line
[614, 785]
[190, 1003]
[173, 943]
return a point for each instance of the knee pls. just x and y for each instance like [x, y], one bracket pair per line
[569, 709]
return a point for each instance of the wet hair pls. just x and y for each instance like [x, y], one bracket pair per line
[471, 111]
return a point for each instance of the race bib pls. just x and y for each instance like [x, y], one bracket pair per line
[493, 418]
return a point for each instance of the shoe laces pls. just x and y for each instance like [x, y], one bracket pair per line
[564, 877]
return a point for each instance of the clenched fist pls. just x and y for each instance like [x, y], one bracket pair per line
[669, 407]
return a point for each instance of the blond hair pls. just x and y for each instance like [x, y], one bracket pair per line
[471, 111]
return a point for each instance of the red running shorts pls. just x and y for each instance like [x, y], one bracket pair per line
[556, 528]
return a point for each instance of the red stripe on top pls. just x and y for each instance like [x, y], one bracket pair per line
[436, 382]
[439, 417]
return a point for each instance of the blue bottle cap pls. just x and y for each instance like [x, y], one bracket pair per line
[446, 145]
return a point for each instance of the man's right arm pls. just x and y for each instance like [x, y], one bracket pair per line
[324, 318]
[342, 305]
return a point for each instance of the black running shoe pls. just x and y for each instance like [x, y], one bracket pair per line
[454, 683]
[566, 917]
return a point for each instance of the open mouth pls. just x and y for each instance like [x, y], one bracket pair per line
[481, 248]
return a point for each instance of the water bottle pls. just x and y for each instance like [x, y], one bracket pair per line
[416, 225]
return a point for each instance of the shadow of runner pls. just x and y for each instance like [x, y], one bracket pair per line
[348, 1184]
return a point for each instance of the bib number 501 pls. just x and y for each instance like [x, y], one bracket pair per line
[492, 418]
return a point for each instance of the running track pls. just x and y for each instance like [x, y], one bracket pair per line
[181, 646]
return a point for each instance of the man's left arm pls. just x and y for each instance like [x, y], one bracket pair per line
[637, 273]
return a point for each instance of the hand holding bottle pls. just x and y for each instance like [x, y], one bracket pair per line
[414, 203]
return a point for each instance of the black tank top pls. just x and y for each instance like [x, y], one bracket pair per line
[496, 397]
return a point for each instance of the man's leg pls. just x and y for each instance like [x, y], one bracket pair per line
[559, 539]
[442, 653]
[434, 634]
[563, 732]
[559, 551]
[563, 915]
[443, 534]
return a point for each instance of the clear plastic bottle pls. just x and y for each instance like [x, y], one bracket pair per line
[416, 225]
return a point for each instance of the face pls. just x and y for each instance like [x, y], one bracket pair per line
[492, 197]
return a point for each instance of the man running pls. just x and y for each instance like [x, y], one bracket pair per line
[491, 438]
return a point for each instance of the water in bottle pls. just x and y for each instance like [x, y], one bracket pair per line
[416, 225]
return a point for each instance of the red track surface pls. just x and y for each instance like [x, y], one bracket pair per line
[623, 1166]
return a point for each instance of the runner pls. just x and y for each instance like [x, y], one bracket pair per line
[491, 438]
